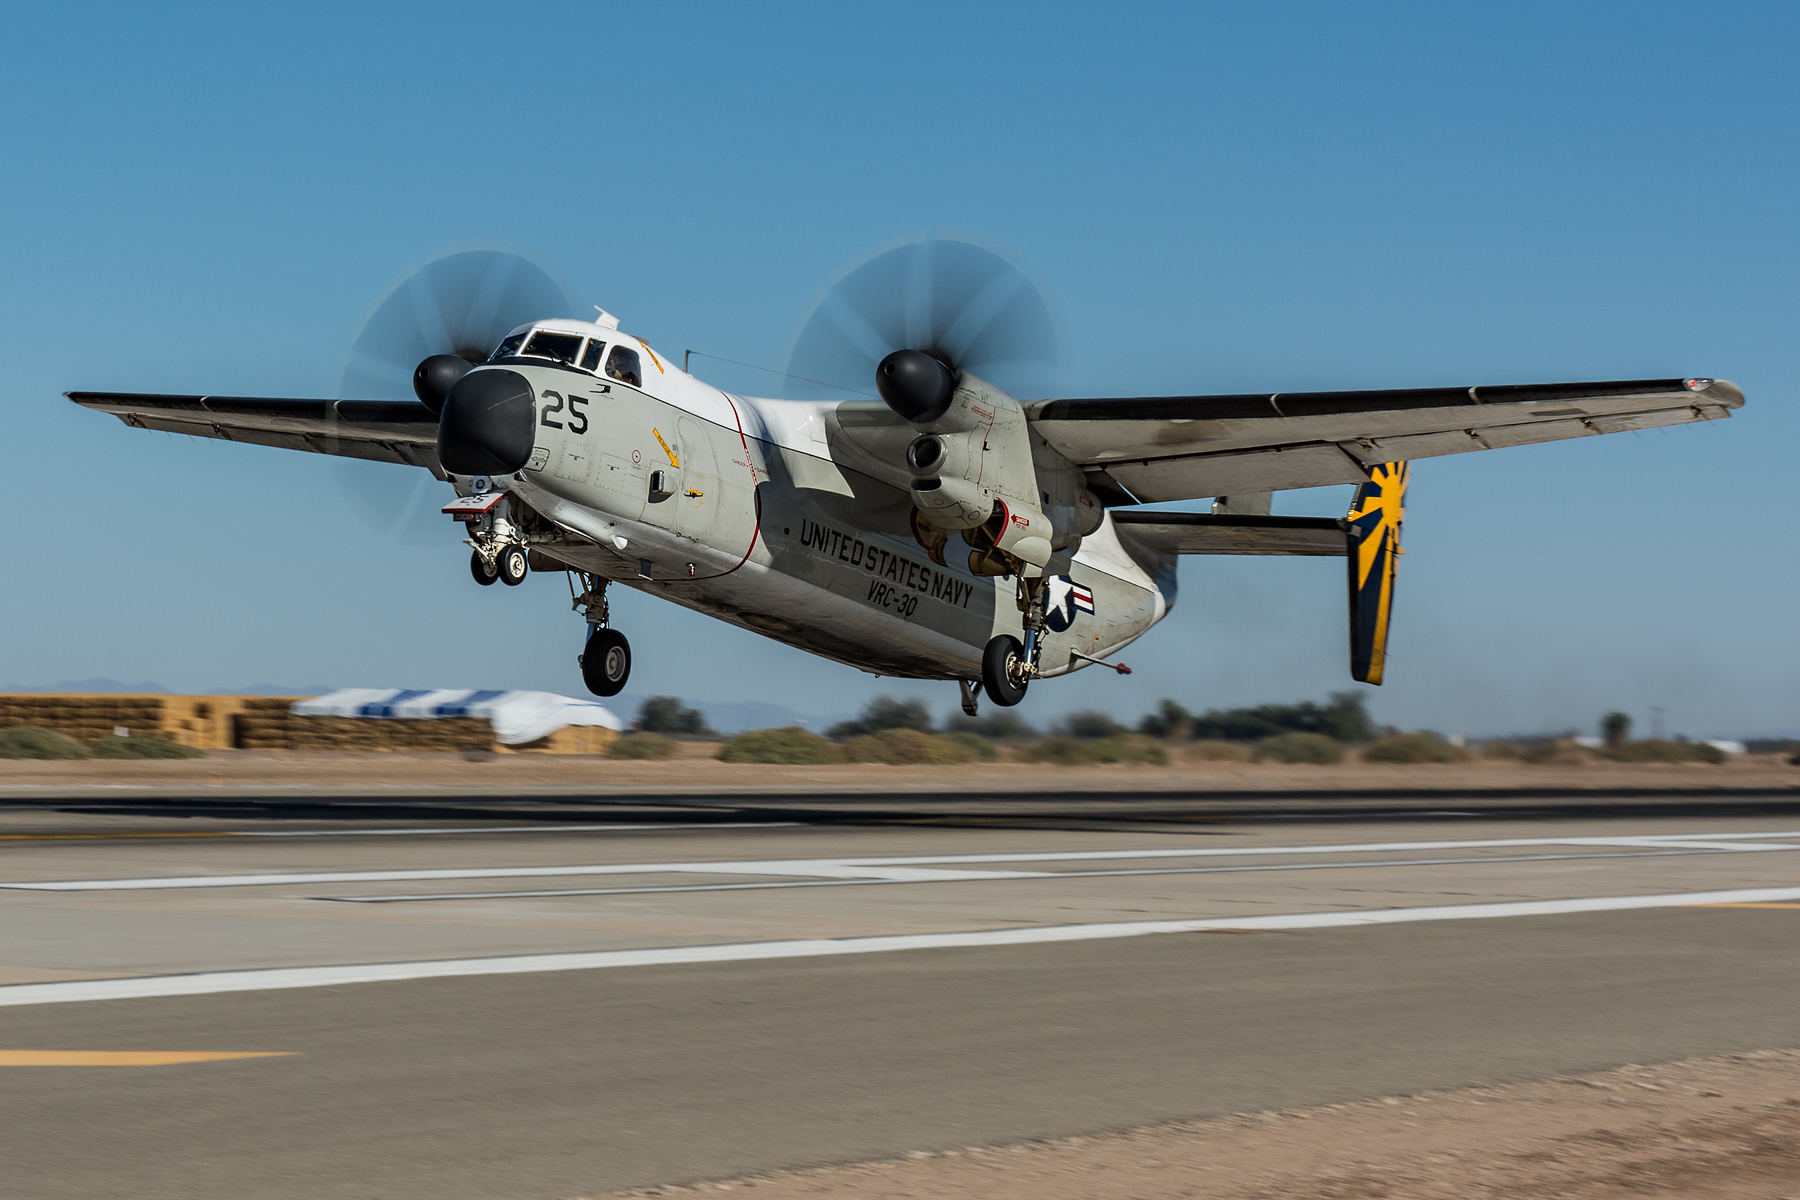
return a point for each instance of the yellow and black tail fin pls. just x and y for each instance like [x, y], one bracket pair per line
[1374, 531]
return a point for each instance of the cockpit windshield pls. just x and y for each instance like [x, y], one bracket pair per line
[509, 347]
[563, 347]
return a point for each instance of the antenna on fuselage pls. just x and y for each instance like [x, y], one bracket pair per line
[604, 319]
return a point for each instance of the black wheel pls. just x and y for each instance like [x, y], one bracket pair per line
[512, 565]
[1003, 671]
[484, 574]
[606, 662]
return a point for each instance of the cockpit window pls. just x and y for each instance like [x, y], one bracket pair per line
[622, 364]
[591, 360]
[563, 347]
[509, 347]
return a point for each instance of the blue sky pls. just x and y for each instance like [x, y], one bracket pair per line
[1223, 198]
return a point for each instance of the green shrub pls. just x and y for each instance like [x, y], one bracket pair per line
[1065, 751]
[900, 746]
[643, 745]
[31, 741]
[1300, 748]
[884, 712]
[983, 749]
[1558, 752]
[1652, 750]
[1088, 724]
[1419, 747]
[1129, 748]
[1502, 750]
[790, 745]
[141, 747]
[999, 726]
[666, 714]
[1082, 752]
[1213, 750]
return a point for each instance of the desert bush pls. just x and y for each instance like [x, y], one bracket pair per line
[1300, 748]
[1502, 750]
[1088, 724]
[1082, 752]
[32, 741]
[899, 746]
[1065, 751]
[643, 745]
[884, 712]
[983, 749]
[140, 747]
[1344, 720]
[1170, 720]
[666, 714]
[1217, 751]
[1001, 726]
[1558, 752]
[790, 745]
[1421, 747]
[1653, 750]
[1129, 748]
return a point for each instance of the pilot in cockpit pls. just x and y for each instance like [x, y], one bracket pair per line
[622, 364]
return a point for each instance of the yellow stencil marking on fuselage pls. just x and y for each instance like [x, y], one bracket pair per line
[673, 461]
[124, 1058]
[653, 358]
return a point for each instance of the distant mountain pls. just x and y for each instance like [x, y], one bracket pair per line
[91, 685]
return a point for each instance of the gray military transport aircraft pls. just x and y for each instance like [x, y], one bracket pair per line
[955, 524]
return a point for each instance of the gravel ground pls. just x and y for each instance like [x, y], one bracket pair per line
[1725, 1128]
[696, 771]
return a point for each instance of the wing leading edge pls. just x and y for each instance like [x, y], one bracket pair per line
[381, 430]
[1181, 447]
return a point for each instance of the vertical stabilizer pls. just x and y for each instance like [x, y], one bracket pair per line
[1374, 527]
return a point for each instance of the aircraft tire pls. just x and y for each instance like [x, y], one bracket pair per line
[479, 569]
[606, 662]
[512, 564]
[998, 662]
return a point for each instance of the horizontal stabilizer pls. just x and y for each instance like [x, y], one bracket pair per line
[1231, 533]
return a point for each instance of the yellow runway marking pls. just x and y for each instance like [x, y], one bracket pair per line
[1744, 906]
[69, 837]
[123, 1058]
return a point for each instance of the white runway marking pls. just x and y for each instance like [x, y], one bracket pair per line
[393, 898]
[281, 978]
[911, 868]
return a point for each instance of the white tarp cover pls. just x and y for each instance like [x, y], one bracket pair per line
[517, 717]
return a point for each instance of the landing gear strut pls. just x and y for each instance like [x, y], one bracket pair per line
[1007, 667]
[606, 659]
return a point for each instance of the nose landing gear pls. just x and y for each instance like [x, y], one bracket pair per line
[606, 659]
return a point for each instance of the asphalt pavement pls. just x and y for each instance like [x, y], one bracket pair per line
[561, 1080]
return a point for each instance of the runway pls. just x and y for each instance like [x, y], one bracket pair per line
[492, 1008]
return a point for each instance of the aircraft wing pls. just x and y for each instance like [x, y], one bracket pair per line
[383, 430]
[1181, 447]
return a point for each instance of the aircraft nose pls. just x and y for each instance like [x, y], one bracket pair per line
[488, 424]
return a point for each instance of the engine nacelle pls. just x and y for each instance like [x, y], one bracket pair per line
[977, 467]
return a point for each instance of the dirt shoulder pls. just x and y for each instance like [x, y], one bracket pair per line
[696, 772]
[1724, 1128]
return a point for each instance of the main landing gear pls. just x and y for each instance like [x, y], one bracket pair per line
[1008, 666]
[606, 659]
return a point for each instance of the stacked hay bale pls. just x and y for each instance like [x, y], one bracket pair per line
[362, 734]
[263, 723]
[84, 717]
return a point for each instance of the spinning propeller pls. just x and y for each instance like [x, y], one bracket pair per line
[419, 338]
[957, 304]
